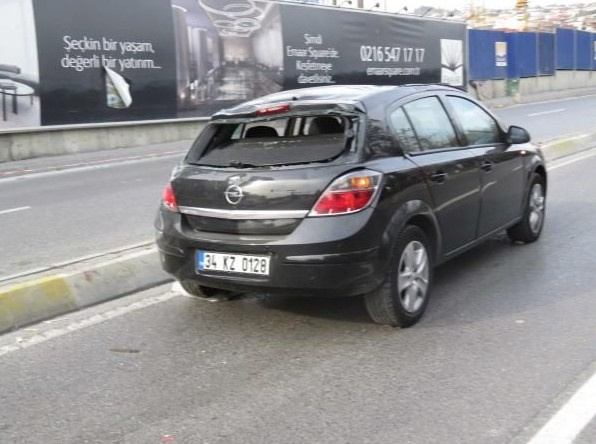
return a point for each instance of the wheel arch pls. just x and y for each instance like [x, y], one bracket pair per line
[417, 213]
[430, 229]
[541, 171]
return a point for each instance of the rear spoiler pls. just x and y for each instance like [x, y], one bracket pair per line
[266, 110]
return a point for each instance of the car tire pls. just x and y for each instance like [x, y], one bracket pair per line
[401, 300]
[200, 291]
[529, 228]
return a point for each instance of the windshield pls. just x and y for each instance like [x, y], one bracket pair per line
[281, 141]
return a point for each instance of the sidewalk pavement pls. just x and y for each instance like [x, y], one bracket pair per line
[505, 102]
[93, 158]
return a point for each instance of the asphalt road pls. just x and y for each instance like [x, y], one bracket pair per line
[49, 217]
[553, 119]
[65, 215]
[508, 337]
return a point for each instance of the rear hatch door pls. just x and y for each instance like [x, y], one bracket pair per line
[263, 176]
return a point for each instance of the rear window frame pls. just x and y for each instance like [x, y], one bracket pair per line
[203, 144]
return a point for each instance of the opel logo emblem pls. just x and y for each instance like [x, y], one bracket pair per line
[234, 194]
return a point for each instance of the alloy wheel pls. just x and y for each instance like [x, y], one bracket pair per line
[412, 276]
[536, 204]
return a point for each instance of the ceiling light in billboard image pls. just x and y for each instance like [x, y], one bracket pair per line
[227, 51]
[239, 18]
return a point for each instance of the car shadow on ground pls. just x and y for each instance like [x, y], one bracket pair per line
[496, 279]
[349, 309]
[457, 273]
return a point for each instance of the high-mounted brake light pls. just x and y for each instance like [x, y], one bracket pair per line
[277, 109]
[348, 194]
[169, 199]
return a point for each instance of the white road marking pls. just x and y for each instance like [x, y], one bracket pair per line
[14, 210]
[571, 419]
[544, 113]
[88, 322]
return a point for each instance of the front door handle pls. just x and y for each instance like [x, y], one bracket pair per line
[487, 166]
[439, 176]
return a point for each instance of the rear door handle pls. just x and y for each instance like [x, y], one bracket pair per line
[439, 176]
[487, 166]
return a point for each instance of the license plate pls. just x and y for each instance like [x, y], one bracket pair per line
[233, 263]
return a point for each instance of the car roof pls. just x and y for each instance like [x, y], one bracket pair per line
[345, 94]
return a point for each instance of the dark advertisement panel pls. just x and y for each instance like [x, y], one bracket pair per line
[88, 61]
[345, 47]
[132, 38]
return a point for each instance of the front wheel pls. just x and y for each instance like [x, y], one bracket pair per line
[529, 228]
[403, 297]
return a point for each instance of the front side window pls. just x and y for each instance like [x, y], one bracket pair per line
[431, 124]
[479, 128]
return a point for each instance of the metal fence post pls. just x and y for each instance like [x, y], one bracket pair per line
[575, 51]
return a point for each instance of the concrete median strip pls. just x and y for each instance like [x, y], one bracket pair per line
[566, 146]
[78, 286]
[57, 290]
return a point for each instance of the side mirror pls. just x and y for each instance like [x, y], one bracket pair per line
[517, 135]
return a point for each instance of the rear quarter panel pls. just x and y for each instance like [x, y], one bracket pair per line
[404, 195]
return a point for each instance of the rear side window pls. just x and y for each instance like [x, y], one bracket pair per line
[283, 141]
[402, 129]
[431, 124]
[479, 128]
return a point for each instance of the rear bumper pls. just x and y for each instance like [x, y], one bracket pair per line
[332, 257]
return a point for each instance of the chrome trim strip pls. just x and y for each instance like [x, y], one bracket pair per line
[244, 214]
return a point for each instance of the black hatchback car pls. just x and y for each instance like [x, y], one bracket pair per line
[347, 191]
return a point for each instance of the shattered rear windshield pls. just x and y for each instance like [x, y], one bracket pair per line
[281, 141]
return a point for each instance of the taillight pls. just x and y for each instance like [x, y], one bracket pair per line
[348, 194]
[169, 199]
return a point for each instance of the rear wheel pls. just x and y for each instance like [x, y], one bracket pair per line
[403, 297]
[529, 228]
[200, 291]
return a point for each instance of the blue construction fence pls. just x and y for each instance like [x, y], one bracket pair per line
[498, 55]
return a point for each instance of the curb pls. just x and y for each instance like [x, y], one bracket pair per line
[558, 148]
[82, 285]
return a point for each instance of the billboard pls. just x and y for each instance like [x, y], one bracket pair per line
[19, 69]
[132, 60]
[132, 38]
